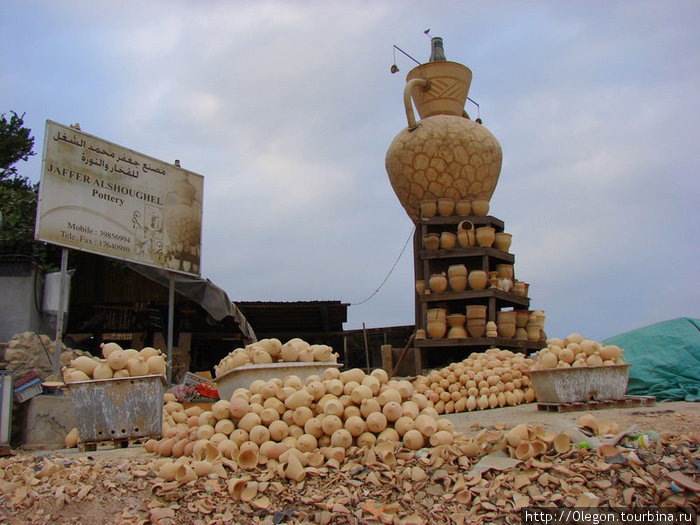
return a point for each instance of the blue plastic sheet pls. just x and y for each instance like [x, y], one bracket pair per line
[666, 359]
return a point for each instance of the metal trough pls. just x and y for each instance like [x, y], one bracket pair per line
[579, 384]
[118, 409]
[243, 376]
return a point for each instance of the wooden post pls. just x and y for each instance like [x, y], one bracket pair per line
[364, 334]
[59, 313]
[171, 320]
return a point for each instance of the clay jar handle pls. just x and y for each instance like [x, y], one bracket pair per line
[422, 83]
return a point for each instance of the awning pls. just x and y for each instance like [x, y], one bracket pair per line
[202, 291]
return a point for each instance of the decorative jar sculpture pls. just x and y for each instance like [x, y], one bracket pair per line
[444, 154]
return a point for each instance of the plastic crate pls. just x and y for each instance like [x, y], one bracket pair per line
[28, 391]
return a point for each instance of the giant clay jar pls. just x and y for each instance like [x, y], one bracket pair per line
[445, 154]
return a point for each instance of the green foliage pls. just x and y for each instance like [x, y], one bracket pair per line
[16, 143]
[18, 198]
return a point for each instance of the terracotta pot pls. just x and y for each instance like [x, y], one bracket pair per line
[520, 334]
[445, 206]
[533, 332]
[436, 329]
[420, 287]
[476, 327]
[421, 334]
[428, 208]
[519, 288]
[476, 311]
[463, 208]
[457, 332]
[480, 207]
[448, 240]
[506, 329]
[521, 318]
[477, 279]
[507, 316]
[465, 234]
[502, 241]
[456, 319]
[431, 241]
[485, 236]
[458, 283]
[438, 282]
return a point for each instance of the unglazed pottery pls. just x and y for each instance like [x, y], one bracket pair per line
[477, 279]
[438, 282]
[448, 240]
[445, 206]
[443, 155]
[485, 235]
[480, 207]
[431, 241]
[502, 241]
[428, 208]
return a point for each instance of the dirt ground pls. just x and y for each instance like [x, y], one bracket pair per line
[117, 486]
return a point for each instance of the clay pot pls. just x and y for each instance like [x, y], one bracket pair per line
[478, 279]
[248, 455]
[524, 451]
[506, 316]
[519, 288]
[448, 240]
[445, 206]
[505, 270]
[428, 208]
[476, 327]
[517, 435]
[436, 329]
[533, 332]
[457, 277]
[466, 235]
[520, 334]
[437, 314]
[476, 311]
[413, 439]
[485, 235]
[167, 471]
[521, 318]
[438, 282]
[506, 329]
[456, 322]
[480, 207]
[463, 208]
[502, 241]
[431, 241]
[561, 443]
[420, 287]
[185, 473]
[156, 365]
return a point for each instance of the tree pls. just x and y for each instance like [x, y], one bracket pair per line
[18, 198]
[16, 143]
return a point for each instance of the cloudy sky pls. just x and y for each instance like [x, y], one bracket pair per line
[287, 109]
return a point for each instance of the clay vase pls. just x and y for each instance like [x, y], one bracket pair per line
[465, 234]
[507, 316]
[422, 334]
[428, 208]
[476, 311]
[491, 329]
[457, 277]
[502, 241]
[448, 240]
[520, 334]
[436, 329]
[521, 318]
[478, 279]
[445, 206]
[480, 207]
[431, 241]
[485, 236]
[438, 282]
[533, 332]
[468, 156]
[437, 314]
[519, 288]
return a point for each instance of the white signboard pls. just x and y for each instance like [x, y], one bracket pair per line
[102, 198]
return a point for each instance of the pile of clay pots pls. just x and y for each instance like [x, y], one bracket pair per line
[575, 351]
[290, 425]
[484, 380]
[272, 350]
[115, 363]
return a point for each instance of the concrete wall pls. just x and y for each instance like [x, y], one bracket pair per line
[21, 290]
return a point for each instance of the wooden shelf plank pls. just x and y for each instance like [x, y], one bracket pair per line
[500, 342]
[505, 297]
[486, 220]
[475, 251]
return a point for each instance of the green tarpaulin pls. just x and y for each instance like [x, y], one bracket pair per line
[665, 358]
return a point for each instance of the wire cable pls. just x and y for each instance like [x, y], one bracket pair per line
[390, 271]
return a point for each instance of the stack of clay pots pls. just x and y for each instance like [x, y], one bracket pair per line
[457, 277]
[289, 425]
[484, 380]
[505, 320]
[436, 325]
[268, 351]
[575, 351]
[456, 322]
[476, 320]
[535, 326]
[115, 363]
